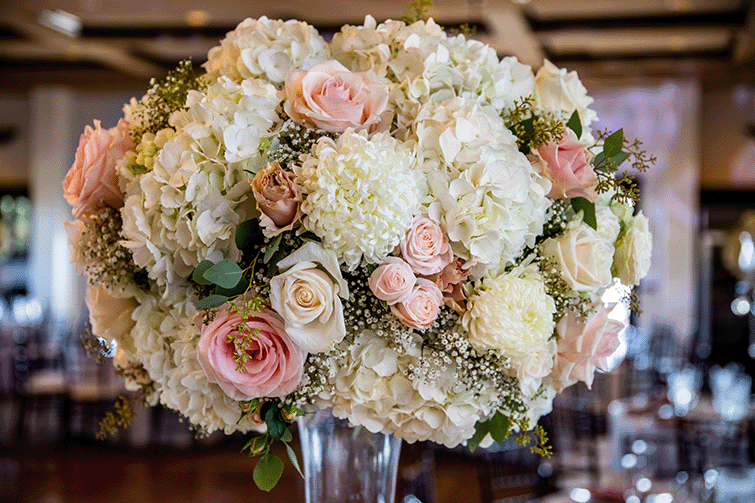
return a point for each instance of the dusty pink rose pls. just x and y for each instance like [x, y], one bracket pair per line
[278, 199]
[421, 307]
[425, 248]
[567, 165]
[92, 183]
[449, 281]
[583, 346]
[275, 363]
[330, 97]
[393, 281]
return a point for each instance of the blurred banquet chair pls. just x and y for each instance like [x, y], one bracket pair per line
[418, 479]
[508, 473]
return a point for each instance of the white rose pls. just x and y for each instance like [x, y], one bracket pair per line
[632, 257]
[110, 316]
[306, 297]
[536, 366]
[608, 223]
[559, 92]
[583, 256]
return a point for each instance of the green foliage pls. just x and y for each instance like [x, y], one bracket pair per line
[198, 275]
[112, 421]
[212, 301]
[575, 124]
[588, 209]
[225, 274]
[163, 98]
[531, 130]
[499, 427]
[417, 10]
[615, 151]
[539, 439]
[247, 233]
[268, 472]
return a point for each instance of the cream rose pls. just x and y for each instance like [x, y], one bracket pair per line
[421, 307]
[330, 97]
[92, 183]
[109, 316]
[559, 92]
[278, 199]
[633, 251]
[275, 363]
[536, 366]
[425, 247]
[306, 296]
[583, 256]
[393, 281]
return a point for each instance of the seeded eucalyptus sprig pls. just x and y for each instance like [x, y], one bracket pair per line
[531, 130]
[616, 149]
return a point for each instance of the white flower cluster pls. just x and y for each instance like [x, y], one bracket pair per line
[266, 48]
[373, 386]
[362, 194]
[483, 190]
[187, 206]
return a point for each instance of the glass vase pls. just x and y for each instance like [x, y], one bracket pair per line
[343, 464]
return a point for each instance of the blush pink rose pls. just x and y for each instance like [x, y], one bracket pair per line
[330, 97]
[583, 346]
[393, 281]
[275, 363]
[421, 307]
[449, 281]
[278, 199]
[567, 165]
[425, 248]
[92, 183]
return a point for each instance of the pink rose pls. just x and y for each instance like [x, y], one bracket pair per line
[92, 183]
[421, 307]
[425, 248]
[449, 281]
[330, 97]
[393, 281]
[583, 346]
[278, 199]
[567, 165]
[275, 364]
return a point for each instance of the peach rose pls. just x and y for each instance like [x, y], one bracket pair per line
[275, 363]
[278, 199]
[330, 97]
[421, 307]
[425, 248]
[567, 165]
[449, 281]
[583, 346]
[92, 183]
[393, 281]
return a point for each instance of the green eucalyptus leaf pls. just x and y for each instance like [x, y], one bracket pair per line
[287, 437]
[225, 274]
[619, 158]
[310, 236]
[268, 472]
[211, 302]
[275, 426]
[574, 124]
[588, 209]
[480, 430]
[198, 275]
[246, 232]
[232, 292]
[613, 143]
[294, 460]
[272, 248]
[499, 427]
[600, 158]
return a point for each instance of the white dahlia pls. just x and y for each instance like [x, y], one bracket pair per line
[511, 314]
[266, 48]
[360, 194]
[373, 385]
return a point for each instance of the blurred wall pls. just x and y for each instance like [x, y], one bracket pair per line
[14, 161]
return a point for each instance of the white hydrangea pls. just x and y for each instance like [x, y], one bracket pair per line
[360, 194]
[511, 314]
[483, 190]
[373, 386]
[165, 342]
[427, 66]
[266, 48]
[187, 207]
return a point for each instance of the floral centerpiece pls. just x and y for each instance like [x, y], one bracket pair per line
[395, 224]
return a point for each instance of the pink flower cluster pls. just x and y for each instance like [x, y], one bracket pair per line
[414, 284]
[567, 165]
